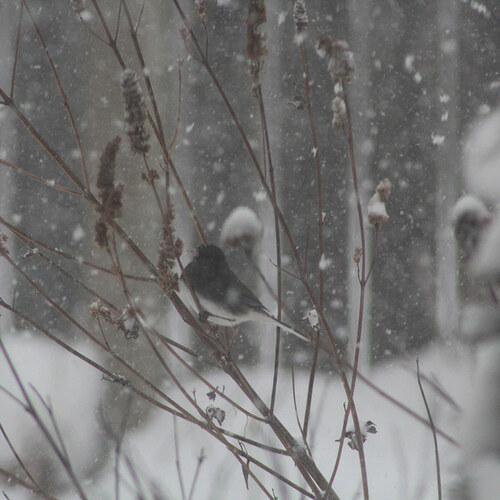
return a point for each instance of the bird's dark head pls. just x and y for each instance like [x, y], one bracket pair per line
[210, 253]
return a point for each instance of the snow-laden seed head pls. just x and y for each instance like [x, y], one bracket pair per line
[78, 6]
[339, 113]
[341, 61]
[312, 318]
[201, 8]
[300, 18]
[339, 56]
[384, 189]
[242, 228]
[256, 48]
[377, 213]
[135, 112]
[323, 46]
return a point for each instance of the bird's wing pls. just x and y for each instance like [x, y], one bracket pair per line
[237, 296]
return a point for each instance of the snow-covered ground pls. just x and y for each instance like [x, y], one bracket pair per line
[400, 457]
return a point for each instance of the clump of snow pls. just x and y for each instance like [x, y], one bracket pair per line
[339, 112]
[324, 262]
[469, 218]
[377, 213]
[242, 228]
[312, 318]
[437, 139]
[78, 233]
[482, 158]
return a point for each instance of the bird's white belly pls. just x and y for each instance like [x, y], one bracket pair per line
[217, 313]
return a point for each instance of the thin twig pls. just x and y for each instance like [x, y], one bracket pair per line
[196, 474]
[279, 281]
[35, 486]
[312, 375]
[50, 184]
[434, 437]
[177, 460]
[317, 161]
[179, 106]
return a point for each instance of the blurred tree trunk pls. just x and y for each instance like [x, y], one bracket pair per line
[37, 96]
[446, 139]
[360, 28]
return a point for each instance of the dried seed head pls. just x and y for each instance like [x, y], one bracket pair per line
[3, 244]
[341, 61]
[98, 309]
[201, 8]
[128, 323]
[107, 164]
[214, 412]
[256, 48]
[300, 17]
[339, 112]
[78, 6]
[135, 112]
[323, 46]
[384, 189]
[339, 57]
[109, 193]
[168, 253]
[101, 233]
[358, 252]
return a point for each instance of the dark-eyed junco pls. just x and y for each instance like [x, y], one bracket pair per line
[223, 298]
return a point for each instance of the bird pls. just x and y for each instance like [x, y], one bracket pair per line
[223, 299]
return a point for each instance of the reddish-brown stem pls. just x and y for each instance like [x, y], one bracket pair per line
[45, 182]
[317, 161]
[312, 375]
[179, 107]
[111, 40]
[279, 284]
[363, 282]
[434, 437]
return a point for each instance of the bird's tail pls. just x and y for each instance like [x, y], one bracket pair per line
[276, 322]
